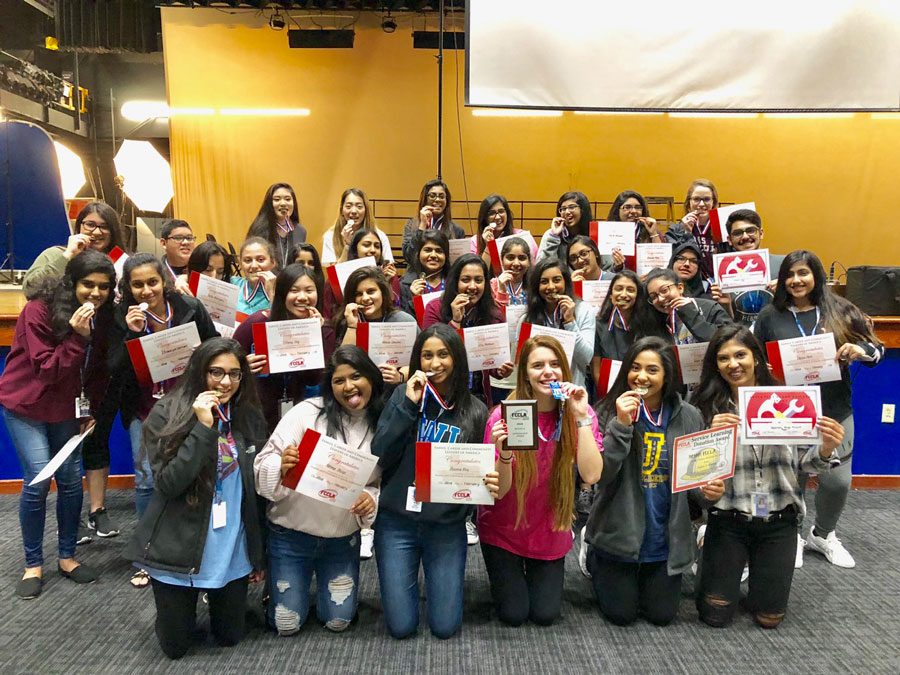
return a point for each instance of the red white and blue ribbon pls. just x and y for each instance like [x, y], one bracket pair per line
[517, 293]
[431, 393]
[555, 319]
[166, 320]
[617, 313]
[259, 286]
[646, 413]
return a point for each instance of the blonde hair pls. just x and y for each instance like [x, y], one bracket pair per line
[367, 221]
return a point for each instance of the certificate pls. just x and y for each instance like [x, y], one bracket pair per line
[458, 248]
[163, 355]
[566, 338]
[651, 256]
[291, 345]
[339, 273]
[119, 258]
[487, 347]
[718, 218]
[61, 456]
[420, 302]
[521, 423]
[777, 415]
[592, 293]
[690, 360]
[387, 343]
[219, 297]
[330, 471]
[805, 360]
[453, 473]
[514, 314]
[741, 270]
[609, 371]
[611, 235]
[704, 456]
[495, 248]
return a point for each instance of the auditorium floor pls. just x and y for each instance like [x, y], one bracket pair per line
[838, 621]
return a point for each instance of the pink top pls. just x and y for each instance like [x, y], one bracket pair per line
[536, 537]
[473, 244]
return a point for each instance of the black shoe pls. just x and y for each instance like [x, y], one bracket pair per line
[29, 588]
[100, 522]
[84, 534]
[80, 575]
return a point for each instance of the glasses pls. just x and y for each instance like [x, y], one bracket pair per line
[749, 231]
[570, 207]
[685, 259]
[182, 238]
[436, 197]
[631, 207]
[218, 374]
[581, 255]
[91, 227]
[701, 200]
[663, 292]
[496, 212]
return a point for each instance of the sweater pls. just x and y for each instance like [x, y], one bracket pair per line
[50, 263]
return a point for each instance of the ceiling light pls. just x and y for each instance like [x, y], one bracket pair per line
[141, 111]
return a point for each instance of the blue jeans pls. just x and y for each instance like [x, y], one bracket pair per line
[35, 443]
[143, 474]
[293, 558]
[401, 544]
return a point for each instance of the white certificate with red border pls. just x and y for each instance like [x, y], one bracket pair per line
[805, 360]
[330, 471]
[652, 256]
[339, 273]
[741, 270]
[609, 371]
[611, 235]
[453, 473]
[592, 293]
[514, 314]
[487, 347]
[566, 338]
[718, 217]
[780, 415]
[163, 355]
[703, 456]
[387, 343]
[219, 297]
[290, 346]
[690, 360]
[420, 302]
[495, 248]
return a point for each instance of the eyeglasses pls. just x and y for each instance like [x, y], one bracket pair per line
[496, 212]
[749, 231]
[218, 374]
[569, 208]
[182, 238]
[685, 259]
[91, 227]
[631, 207]
[581, 255]
[436, 197]
[663, 292]
[701, 200]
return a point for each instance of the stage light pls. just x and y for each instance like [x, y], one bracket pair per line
[146, 175]
[388, 24]
[141, 111]
[71, 170]
[276, 21]
[265, 112]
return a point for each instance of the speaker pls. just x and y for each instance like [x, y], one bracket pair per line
[321, 39]
[428, 39]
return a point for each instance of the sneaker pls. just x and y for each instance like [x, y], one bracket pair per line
[798, 561]
[582, 555]
[366, 543]
[84, 534]
[832, 548]
[745, 573]
[471, 533]
[100, 522]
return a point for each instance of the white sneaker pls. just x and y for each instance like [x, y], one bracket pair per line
[366, 542]
[832, 548]
[745, 574]
[471, 533]
[582, 555]
[798, 561]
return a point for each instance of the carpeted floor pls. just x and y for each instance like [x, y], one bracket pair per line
[839, 620]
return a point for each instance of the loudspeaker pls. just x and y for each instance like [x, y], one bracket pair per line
[875, 290]
[321, 39]
[428, 39]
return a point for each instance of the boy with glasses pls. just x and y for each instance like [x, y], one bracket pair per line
[178, 241]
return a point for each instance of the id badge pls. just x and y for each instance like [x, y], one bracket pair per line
[411, 503]
[82, 407]
[759, 504]
[284, 404]
[219, 515]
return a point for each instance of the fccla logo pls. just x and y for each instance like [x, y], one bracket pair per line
[462, 494]
[780, 410]
[741, 265]
[299, 361]
[179, 368]
[328, 494]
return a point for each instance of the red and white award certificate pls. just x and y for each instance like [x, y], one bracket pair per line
[566, 338]
[290, 346]
[330, 471]
[458, 248]
[703, 456]
[718, 218]
[690, 360]
[453, 473]
[387, 343]
[780, 415]
[119, 258]
[651, 256]
[420, 302]
[609, 371]
[741, 270]
[495, 248]
[592, 293]
[339, 273]
[611, 235]
[163, 355]
[514, 314]
[219, 297]
[805, 360]
[487, 347]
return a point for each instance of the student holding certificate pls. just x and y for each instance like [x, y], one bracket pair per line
[278, 221]
[680, 318]
[366, 243]
[630, 206]
[54, 376]
[201, 530]
[702, 197]
[435, 406]
[258, 267]
[298, 293]
[640, 532]
[526, 534]
[434, 216]
[552, 302]
[308, 536]
[804, 306]
[427, 268]
[755, 521]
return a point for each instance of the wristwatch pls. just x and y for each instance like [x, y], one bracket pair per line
[586, 422]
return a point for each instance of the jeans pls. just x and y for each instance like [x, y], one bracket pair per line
[35, 443]
[626, 590]
[524, 588]
[834, 485]
[143, 474]
[401, 544]
[293, 558]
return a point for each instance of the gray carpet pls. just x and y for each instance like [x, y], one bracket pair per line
[838, 621]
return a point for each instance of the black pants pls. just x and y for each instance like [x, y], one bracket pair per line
[176, 614]
[95, 449]
[626, 590]
[524, 588]
[768, 547]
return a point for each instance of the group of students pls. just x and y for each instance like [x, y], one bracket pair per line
[212, 447]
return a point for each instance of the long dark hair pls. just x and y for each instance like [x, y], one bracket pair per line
[713, 394]
[109, 216]
[246, 417]
[672, 384]
[353, 246]
[537, 306]
[284, 281]
[266, 221]
[139, 260]
[353, 281]
[642, 321]
[332, 411]
[316, 259]
[485, 309]
[487, 204]
[583, 226]
[623, 197]
[423, 200]
[430, 237]
[199, 260]
[58, 293]
[458, 395]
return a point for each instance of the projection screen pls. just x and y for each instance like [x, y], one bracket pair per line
[716, 55]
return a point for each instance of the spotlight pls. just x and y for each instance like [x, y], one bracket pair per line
[276, 21]
[388, 24]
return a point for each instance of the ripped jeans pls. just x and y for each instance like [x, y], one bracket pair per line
[293, 558]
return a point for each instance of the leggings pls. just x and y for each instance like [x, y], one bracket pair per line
[834, 485]
[524, 588]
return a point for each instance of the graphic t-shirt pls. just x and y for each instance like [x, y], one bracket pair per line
[655, 484]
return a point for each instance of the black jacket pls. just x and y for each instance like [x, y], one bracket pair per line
[171, 535]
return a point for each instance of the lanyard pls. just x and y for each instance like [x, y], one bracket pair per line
[467, 316]
[517, 294]
[557, 430]
[87, 359]
[800, 328]
[224, 414]
[169, 267]
[428, 287]
[259, 286]
[646, 413]
[161, 320]
[612, 320]
[287, 227]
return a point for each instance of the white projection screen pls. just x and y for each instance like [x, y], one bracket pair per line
[665, 55]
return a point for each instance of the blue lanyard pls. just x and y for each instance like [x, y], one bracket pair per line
[800, 328]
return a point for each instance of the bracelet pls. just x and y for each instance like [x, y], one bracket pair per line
[506, 460]
[586, 422]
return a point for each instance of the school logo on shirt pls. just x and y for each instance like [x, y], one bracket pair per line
[433, 431]
[654, 443]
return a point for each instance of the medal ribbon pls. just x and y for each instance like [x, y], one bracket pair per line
[287, 227]
[612, 319]
[646, 413]
[166, 320]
